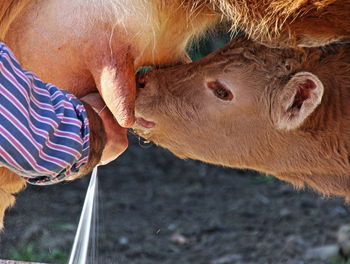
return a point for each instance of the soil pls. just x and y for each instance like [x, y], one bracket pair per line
[157, 209]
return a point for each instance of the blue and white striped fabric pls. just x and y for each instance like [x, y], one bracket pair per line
[44, 131]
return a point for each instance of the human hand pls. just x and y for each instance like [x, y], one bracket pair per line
[116, 139]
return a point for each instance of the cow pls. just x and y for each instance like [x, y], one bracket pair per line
[85, 47]
[283, 112]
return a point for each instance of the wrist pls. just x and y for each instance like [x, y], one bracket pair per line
[97, 140]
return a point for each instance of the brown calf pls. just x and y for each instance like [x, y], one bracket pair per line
[280, 111]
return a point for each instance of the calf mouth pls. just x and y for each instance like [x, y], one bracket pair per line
[143, 127]
[140, 121]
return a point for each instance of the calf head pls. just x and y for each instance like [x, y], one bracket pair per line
[279, 111]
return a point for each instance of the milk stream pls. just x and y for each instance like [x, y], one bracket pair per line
[84, 246]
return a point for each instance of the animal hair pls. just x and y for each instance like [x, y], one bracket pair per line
[272, 21]
[158, 13]
[9, 10]
[266, 19]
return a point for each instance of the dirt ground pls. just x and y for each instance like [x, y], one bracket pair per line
[157, 209]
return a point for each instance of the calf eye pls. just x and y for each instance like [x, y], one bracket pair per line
[220, 91]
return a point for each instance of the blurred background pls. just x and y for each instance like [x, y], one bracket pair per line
[157, 209]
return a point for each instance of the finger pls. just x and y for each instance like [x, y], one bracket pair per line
[117, 140]
[94, 100]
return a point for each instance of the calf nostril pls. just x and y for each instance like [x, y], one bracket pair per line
[141, 80]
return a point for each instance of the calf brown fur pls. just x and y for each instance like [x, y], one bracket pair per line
[283, 112]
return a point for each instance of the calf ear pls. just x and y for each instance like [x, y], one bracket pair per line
[297, 100]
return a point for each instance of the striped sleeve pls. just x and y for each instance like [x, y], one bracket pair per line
[44, 131]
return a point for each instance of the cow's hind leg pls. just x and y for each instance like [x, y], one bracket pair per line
[10, 183]
[6, 201]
